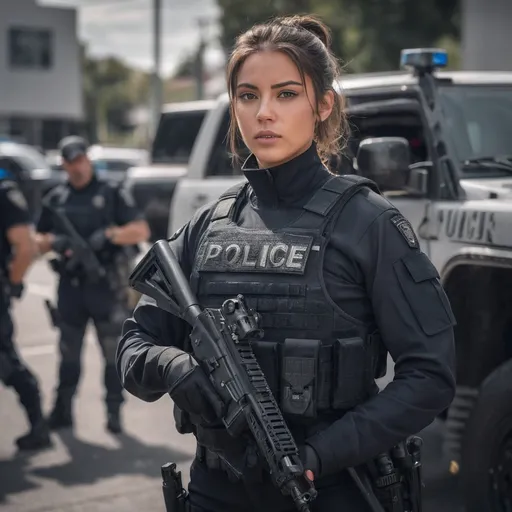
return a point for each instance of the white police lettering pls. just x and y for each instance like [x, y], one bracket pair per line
[283, 254]
[468, 226]
[278, 262]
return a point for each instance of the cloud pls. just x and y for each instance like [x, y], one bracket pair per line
[123, 28]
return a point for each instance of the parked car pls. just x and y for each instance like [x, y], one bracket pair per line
[111, 163]
[29, 168]
[153, 185]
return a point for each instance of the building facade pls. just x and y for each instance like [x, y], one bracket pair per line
[40, 73]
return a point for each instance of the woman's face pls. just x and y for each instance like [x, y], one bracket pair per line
[274, 109]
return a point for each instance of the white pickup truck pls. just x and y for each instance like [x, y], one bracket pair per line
[458, 196]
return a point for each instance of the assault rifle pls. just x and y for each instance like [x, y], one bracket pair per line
[82, 254]
[221, 343]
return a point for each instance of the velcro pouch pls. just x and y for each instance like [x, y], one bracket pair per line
[299, 377]
[353, 367]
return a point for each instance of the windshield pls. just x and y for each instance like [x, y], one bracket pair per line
[175, 136]
[479, 120]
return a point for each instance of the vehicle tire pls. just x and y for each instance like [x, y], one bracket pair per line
[486, 458]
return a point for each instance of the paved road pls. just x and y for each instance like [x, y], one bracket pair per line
[91, 470]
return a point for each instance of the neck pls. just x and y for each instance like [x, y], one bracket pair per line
[289, 183]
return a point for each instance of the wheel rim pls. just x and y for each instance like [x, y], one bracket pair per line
[501, 475]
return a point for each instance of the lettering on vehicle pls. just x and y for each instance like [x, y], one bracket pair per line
[247, 252]
[468, 226]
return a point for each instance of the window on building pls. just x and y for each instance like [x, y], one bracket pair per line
[30, 48]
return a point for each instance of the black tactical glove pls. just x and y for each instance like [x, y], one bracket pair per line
[61, 244]
[16, 290]
[310, 459]
[189, 387]
[98, 240]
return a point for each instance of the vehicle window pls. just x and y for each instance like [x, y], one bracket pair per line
[479, 119]
[175, 136]
[220, 158]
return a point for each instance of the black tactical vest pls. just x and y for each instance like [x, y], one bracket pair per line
[316, 358]
[90, 216]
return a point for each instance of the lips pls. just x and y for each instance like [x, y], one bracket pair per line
[267, 134]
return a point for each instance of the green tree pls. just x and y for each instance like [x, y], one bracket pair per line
[387, 26]
[111, 90]
[367, 34]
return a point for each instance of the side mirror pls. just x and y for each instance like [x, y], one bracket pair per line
[385, 160]
[418, 178]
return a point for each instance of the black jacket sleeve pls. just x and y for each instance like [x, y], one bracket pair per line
[142, 351]
[416, 323]
[13, 206]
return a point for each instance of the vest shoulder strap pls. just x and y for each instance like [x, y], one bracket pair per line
[57, 197]
[226, 202]
[335, 190]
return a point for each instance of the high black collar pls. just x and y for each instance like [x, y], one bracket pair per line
[290, 183]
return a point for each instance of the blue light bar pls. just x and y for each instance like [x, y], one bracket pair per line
[423, 58]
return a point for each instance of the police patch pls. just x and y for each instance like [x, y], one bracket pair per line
[255, 252]
[17, 198]
[405, 228]
[98, 201]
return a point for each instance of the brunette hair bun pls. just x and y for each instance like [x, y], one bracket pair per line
[310, 23]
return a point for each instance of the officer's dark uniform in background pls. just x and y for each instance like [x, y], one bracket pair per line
[90, 209]
[13, 372]
[333, 290]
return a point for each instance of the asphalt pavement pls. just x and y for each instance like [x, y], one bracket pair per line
[89, 469]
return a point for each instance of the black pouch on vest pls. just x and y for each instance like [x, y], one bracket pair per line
[352, 367]
[299, 377]
[267, 356]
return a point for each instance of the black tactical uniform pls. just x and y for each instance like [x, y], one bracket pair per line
[13, 371]
[90, 210]
[339, 280]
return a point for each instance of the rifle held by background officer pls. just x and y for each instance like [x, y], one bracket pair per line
[81, 253]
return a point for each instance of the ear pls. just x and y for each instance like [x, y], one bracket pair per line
[326, 105]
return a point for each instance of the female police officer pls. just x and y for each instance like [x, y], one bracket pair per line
[335, 272]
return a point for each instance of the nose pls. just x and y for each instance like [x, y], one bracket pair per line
[265, 112]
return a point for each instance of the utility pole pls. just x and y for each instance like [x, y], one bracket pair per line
[156, 81]
[199, 71]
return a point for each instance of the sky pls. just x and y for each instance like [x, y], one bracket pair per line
[123, 28]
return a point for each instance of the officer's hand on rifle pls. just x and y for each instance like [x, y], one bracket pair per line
[189, 386]
[310, 461]
[98, 240]
[16, 290]
[61, 244]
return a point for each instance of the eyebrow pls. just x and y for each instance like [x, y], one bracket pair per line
[275, 86]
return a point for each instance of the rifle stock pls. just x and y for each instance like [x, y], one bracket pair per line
[221, 342]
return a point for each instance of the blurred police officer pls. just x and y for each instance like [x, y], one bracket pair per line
[17, 249]
[105, 216]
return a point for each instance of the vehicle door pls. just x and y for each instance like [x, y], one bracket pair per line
[399, 117]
